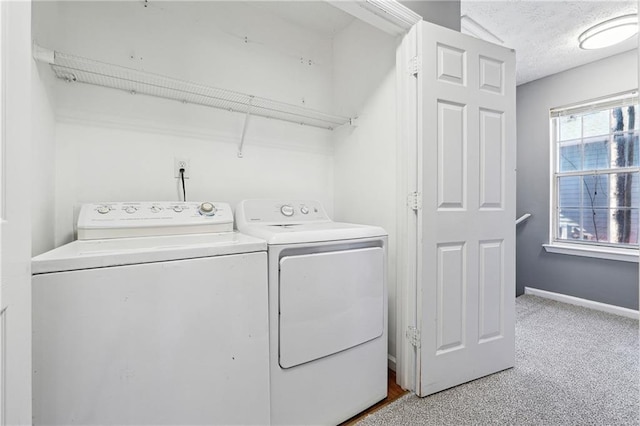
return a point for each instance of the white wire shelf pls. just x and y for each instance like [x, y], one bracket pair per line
[77, 69]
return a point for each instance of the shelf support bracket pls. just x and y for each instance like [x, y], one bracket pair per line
[43, 54]
[244, 130]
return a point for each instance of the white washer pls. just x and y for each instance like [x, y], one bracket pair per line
[163, 329]
[327, 311]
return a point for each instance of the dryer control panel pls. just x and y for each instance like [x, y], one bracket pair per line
[281, 212]
[152, 218]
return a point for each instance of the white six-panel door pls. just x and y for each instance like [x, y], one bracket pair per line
[466, 132]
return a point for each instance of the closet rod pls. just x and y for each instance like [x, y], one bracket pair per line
[77, 69]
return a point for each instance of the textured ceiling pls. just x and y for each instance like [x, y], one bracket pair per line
[545, 33]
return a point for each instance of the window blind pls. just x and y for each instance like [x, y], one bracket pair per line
[620, 100]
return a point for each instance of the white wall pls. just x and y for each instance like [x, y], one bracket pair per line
[111, 163]
[231, 45]
[43, 144]
[365, 155]
[43, 166]
[605, 281]
[115, 146]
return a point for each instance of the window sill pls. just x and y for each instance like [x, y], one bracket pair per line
[609, 253]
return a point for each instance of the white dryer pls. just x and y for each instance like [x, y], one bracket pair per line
[327, 311]
[152, 329]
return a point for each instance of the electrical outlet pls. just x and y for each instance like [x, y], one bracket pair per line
[181, 163]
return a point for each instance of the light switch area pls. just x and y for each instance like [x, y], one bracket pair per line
[181, 163]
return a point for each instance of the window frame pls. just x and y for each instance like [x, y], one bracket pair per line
[602, 250]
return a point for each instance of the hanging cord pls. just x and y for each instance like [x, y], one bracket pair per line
[184, 189]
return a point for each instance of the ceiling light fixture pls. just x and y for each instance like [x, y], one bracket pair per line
[609, 32]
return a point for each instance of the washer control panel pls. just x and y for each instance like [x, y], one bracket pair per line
[281, 212]
[151, 218]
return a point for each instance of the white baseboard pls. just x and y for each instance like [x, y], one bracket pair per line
[612, 309]
[391, 362]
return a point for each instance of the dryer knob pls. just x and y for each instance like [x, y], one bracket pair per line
[286, 210]
[207, 209]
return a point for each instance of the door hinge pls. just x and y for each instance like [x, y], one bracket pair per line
[414, 201]
[413, 335]
[414, 66]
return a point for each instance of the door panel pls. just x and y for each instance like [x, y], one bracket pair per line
[491, 159]
[451, 64]
[491, 289]
[452, 147]
[451, 297]
[466, 131]
[492, 75]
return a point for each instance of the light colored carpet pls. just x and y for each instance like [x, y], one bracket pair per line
[574, 366]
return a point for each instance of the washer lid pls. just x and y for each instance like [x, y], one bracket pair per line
[128, 251]
[311, 232]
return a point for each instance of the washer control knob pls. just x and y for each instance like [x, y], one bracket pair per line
[304, 210]
[207, 209]
[287, 210]
[177, 209]
[155, 209]
[130, 209]
[103, 209]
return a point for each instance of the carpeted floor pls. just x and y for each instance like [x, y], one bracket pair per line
[574, 366]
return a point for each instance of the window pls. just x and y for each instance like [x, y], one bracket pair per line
[596, 179]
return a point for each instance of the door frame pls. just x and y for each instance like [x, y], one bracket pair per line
[396, 19]
[409, 229]
[15, 216]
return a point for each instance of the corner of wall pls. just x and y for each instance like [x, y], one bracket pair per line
[43, 165]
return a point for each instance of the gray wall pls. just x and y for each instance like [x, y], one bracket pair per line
[445, 13]
[605, 281]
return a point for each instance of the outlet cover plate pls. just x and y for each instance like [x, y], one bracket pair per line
[181, 163]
